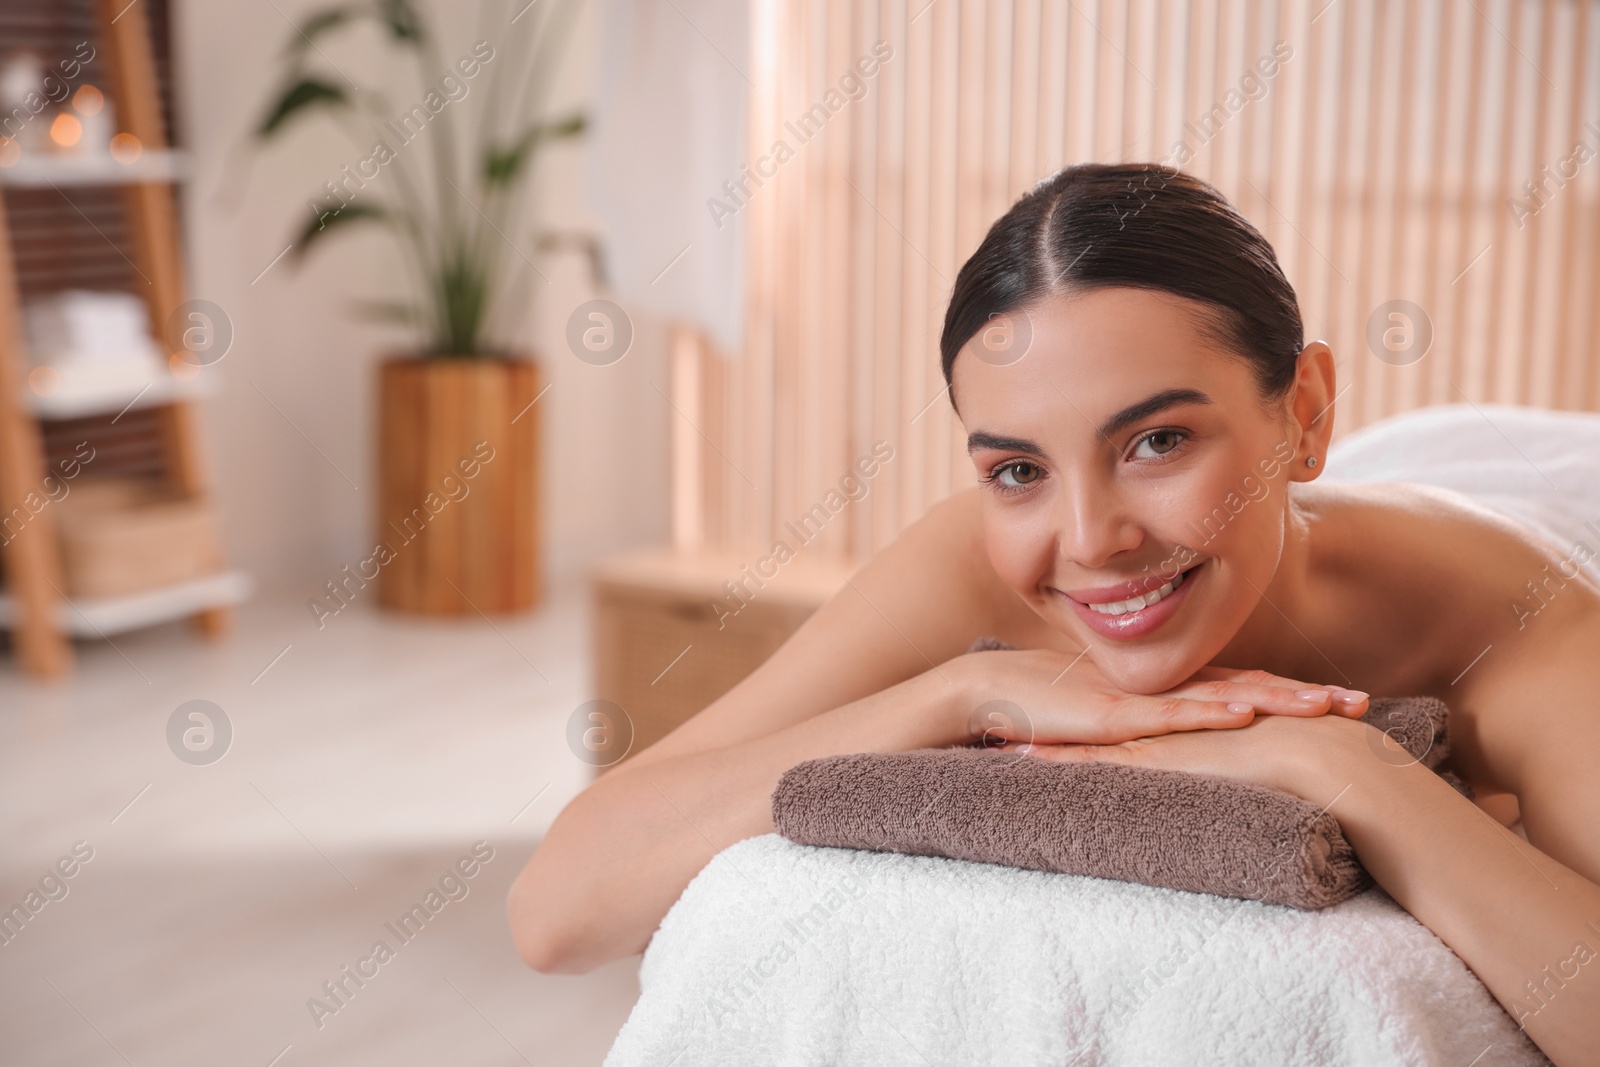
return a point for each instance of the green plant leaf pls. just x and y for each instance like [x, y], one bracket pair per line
[502, 165]
[571, 126]
[402, 19]
[319, 228]
[307, 32]
[462, 291]
[297, 98]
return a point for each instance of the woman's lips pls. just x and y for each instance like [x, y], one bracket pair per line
[1135, 624]
[1108, 594]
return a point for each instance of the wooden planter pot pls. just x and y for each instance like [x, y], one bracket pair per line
[458, 485]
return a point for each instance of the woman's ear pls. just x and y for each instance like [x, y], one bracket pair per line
[1311, 409]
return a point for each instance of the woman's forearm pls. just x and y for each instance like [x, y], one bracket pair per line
[622, 851]
[1527, 925]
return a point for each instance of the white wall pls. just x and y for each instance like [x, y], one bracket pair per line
[290, 517]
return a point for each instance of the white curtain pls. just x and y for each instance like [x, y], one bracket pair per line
[672, 79]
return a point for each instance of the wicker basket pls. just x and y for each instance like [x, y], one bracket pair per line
[123, 537]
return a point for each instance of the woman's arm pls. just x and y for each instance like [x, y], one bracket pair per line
[623, 851]
[866, 670]
[1527, 925]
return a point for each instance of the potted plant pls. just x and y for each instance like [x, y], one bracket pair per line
[458, 531]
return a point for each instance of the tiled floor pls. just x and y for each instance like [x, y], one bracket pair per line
[365, 760]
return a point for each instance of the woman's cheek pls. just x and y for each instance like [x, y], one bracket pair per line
[1246, 537]
[1020, 552]
[1225, 507]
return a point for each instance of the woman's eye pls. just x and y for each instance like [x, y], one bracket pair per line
[1015, 475]
[1160, 442]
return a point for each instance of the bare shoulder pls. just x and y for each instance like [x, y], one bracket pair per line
[1463, 587]
[923, 597]
[1519, 619]
[915, 604]
[1439, 558]
[1532, 704]
[1525, 708]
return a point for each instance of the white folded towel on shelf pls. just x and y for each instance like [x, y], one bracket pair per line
[785, 954]
[90, 329]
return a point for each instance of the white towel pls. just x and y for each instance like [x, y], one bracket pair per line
[91, 331]
[790, 955]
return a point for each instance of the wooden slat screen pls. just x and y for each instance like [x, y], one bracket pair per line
[1389, 156]
[75, 237]
[53, 29]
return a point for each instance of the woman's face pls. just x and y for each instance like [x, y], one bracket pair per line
[1120, 446]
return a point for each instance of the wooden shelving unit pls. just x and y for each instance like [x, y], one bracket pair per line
[157, 434]
[162, 165]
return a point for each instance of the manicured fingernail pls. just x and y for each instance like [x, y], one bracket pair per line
[1316, 696]
[1351, 696]
[1240, 708]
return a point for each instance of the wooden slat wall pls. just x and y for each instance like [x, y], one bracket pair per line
[1382, 162]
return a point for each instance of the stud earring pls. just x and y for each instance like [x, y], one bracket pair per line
[1311, 461]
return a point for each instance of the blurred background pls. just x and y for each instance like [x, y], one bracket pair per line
[409, 410]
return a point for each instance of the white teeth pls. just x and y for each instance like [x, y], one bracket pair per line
[1138, 603]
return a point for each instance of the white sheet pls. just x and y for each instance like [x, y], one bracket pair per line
[1539, 467]
[919, 960]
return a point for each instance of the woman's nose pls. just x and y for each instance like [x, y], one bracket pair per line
[1092, 523]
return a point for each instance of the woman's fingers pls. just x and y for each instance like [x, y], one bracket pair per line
[1086, 708]
[1272, 699]
[1165, 713]
[1275, 695]
[1351, 703]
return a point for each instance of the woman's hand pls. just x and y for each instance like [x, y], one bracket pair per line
[1279, 752]
[1047, 697]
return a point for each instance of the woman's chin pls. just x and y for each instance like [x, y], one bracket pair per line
[1148, 678]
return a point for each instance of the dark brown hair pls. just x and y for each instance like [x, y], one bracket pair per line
[1141, 225]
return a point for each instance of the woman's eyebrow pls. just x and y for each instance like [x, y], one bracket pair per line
[980, 439]
[1150, 405]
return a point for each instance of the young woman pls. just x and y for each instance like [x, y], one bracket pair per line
[1127, 360]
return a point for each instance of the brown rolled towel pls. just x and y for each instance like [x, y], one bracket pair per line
[1197, 832]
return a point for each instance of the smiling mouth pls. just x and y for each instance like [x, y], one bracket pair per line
[1136, 604]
